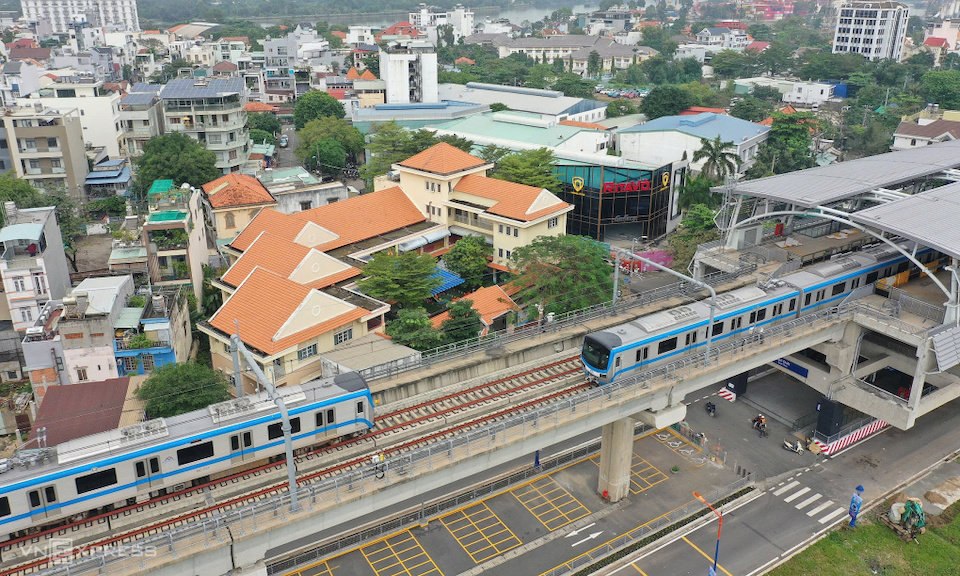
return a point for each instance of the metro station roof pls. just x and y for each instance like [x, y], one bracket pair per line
[827, 184]
[929, 218]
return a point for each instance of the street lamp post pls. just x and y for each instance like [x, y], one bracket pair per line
[716, 554]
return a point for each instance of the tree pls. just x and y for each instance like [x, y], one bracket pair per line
[407, 279]
[261, 136]
[751, 109]
[498, 107]
[768, 93]
[468, 259]
[530, 167]
[720, 158]
[573, 86]
[697, 227]
[391, 143]
[659, 39]
[619, 108]
[176, 157]
[787, 147]
[72, 226]
[464, 322]
[263, 121]
[697, 191]
[13, 189]
[169, 71]
[942, 87]
[178, 388]
[564, 272]
[492, 154]
[666, 101]
[338, 129]
[412, 327]
[372, 63]
[729, 64]
[315, 104]
[594, 64]
[329, 156]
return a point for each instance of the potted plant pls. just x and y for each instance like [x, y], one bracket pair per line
[675, 469]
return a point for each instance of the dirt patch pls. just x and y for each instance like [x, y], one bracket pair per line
[93, 252]
[898, 498]
[945, 493]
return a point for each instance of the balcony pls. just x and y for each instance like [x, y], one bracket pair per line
[474, 222]
[138, 342]
[220, 107]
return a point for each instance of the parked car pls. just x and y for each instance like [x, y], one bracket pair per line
[283, 141]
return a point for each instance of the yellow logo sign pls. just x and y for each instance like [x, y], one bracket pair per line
[666, 179]
[577, 183]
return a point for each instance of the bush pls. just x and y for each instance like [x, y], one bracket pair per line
[137, 301]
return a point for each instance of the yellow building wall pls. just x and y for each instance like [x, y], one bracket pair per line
[241, 217]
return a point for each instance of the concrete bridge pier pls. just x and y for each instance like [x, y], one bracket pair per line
[616, 448]
[257, 569]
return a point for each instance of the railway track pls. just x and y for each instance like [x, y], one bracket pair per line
[395, 431]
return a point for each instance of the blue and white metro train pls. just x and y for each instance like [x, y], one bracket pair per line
[624, 350]
[123, 466]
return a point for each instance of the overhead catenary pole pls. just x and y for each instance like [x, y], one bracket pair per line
[284, 416]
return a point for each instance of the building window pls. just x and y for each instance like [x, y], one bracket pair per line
[148, 363]
[508, 254]
[552, 223]
[26, 314]
[501, 228]
[516, 232]
[131, 364]
[52, 143]
[35, 164]
[18, 285]
[341, 337]
[29, 144]
[306, 205]
[229, 220]
[500, 252]
[82, 374]
[307, 352]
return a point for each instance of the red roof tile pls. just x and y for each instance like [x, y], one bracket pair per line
[368, 75]
[19, 53]
[936, 42]
[235, 190]
[78, 410]
[259, 107]
[578, 124]
[338, 93]
[244, 39]
[339, 34]
[264, 303]
[442, 159]
[283, 257]
[352, 74]
[283, 225]
[513, 200]
[464, 60]
[490, 302]
[757, 46]
[225, 66]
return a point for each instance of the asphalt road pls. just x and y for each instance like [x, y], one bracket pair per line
[286, 157]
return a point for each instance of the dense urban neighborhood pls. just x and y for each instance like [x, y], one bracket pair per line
[282, 253]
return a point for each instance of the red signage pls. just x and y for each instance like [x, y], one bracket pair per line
[635, 186]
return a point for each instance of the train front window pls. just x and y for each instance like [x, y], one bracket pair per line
[595, 354]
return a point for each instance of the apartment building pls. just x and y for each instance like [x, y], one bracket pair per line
[175, 235]
[33, 266]
[113, 14]
[428, 18]
[212, 112]
[410, 74]
[875, 30]
[141, 116]
[47, 147]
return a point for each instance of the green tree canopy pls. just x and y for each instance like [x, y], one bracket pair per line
[329, 156]
[564, 272]
[942, 87]
[697, 227]
[788, 146]
[329, 127]
[619, 108]
[468, 259]
[178, 157]
[261, 136]
[390, 143]
[697, 191]
[666, 101]
[719, 158]
[13, 189]
[407, 279]
[751, 109]
[464, 322]
[594, 63]
[412, 327]
[174, 389]
[315, 104]
[530, 167]
[573, 86]
[263, 121]
[169, 71]
[498, 107]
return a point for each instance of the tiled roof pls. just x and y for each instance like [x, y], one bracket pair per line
[236, 189]
[579, 124]
[368, 75]
[442, 159]
[244, 39]
[78, 410]
[19, 53]
[516, 201]
[937, 42]
[266, 303]
[464, 60]
[352, 74]
[934, 129]
[694, 110]
[339, 34]
[338, 93]
[224, 66]
[757, 46]
[259, 107]
[490, 302]
[285, 258]
[338, 224]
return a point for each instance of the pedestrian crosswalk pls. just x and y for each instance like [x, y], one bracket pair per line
[813, 504]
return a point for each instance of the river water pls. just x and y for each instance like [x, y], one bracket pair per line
[516, 15]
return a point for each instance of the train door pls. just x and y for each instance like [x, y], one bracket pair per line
[240, 447]
[148, 472]
[43, 502]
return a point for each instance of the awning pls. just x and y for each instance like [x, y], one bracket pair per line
[449, 281]
[156, 326]
[427, 238]
[465, 232]
[129, 318]
[29, 231]
[435, 235]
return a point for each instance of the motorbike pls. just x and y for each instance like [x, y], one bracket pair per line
[711, 409]
[793, 446]
[760, 425]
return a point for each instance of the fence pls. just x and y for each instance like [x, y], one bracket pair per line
[558, 322]
[326, 493]
[652, 527]
[918, 307]
[846, 429]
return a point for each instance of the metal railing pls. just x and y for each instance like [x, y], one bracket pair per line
[650, 528]
[846, 429]
[328, 492]
[918, 307]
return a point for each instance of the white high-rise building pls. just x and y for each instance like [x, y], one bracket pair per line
[410, 73]
[110, 14]
[875, 30]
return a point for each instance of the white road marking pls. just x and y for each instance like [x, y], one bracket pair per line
[832, 515]
[820, 508]
[808, 501]
[796, 494]
[785, 488]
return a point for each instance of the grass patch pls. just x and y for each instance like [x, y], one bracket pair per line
[872, 548]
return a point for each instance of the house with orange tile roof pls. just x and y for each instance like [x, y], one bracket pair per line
[451, 187]
[232, 201]
[287, 325]
[491, 303]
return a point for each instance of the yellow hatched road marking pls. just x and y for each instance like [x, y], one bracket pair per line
[475, 520]
[553, 516]
[418, 564]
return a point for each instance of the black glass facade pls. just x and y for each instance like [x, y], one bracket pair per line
[603, 196]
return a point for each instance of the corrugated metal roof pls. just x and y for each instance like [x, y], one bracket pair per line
[212, 88]
[826, 184]
[69, 412]
[929, 218]
[28, 231]
[450, 280]
[137, 98]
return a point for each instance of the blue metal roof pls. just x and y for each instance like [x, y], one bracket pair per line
[137, 98]
[113, 177]
[144, 87]
[707, 125]
[449, 281]
[118, 162]
[213, 88]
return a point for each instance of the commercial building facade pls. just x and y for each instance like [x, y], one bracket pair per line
[114, 14]
[875, 30]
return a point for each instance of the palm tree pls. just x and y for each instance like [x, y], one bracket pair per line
[719, 159]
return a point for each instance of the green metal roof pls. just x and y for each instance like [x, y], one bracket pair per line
[138, 253]
[167, 216]
[161, 186]
[129, 318]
